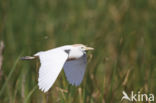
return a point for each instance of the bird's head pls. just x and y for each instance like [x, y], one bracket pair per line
[83, 47]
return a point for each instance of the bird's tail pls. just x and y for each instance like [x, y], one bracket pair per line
[28, 58]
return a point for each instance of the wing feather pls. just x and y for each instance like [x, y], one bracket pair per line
[52, 62]
[75, 69]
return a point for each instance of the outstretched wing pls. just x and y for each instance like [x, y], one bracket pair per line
[52, 62]
[75, 69]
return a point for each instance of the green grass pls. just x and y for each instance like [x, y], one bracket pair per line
[122, 32]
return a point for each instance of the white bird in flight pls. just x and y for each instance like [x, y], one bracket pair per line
[70, 57]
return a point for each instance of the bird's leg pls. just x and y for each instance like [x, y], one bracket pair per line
[28, 57]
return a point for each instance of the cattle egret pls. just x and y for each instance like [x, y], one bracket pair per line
[70, 57]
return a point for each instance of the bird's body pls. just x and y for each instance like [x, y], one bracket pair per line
[70, 57]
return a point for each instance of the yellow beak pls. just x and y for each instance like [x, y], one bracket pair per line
[89, 48]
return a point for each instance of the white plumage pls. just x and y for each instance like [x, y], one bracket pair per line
[71, 57]
[75, 69]
[52, 62]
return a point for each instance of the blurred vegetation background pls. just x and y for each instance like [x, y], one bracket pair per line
[123, 33]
